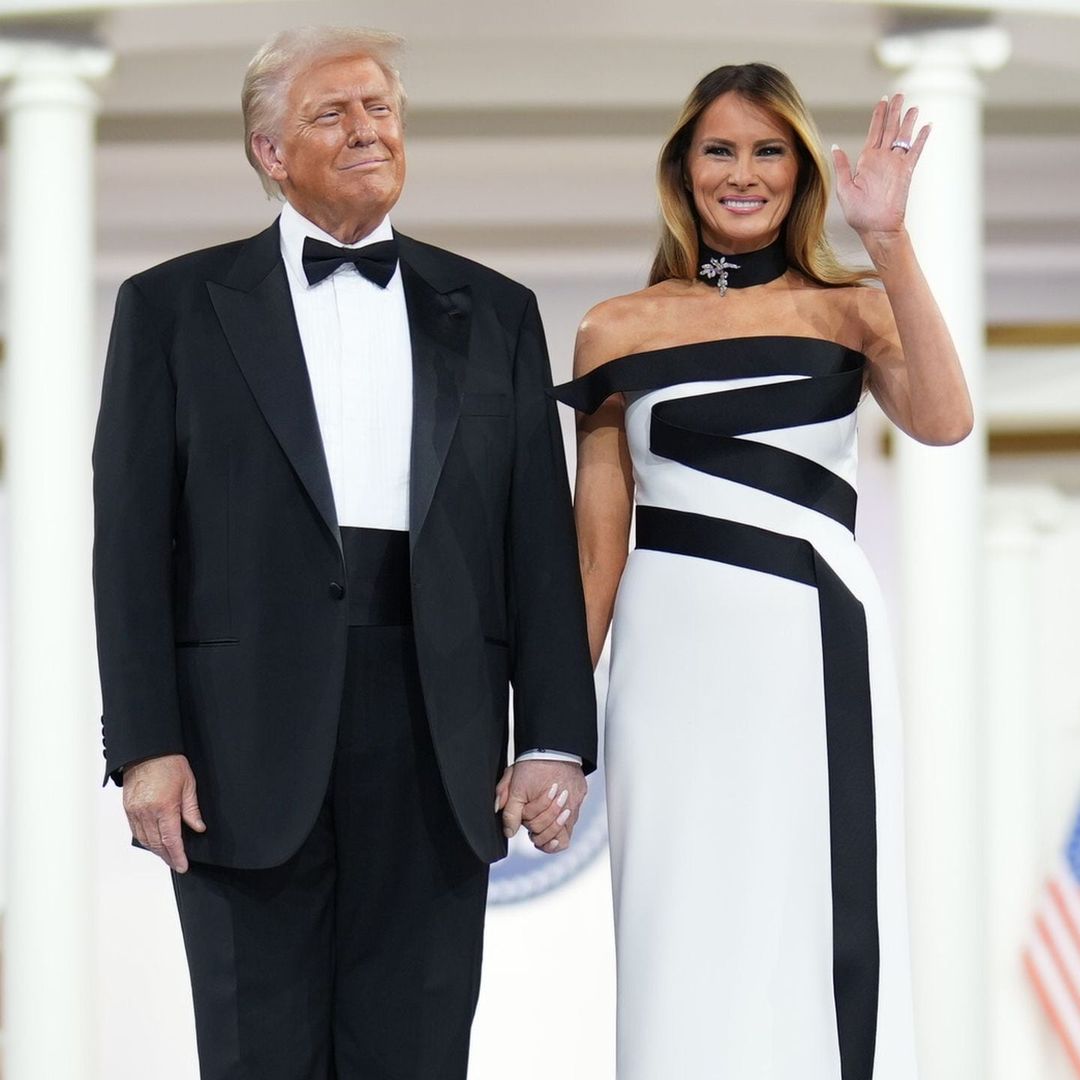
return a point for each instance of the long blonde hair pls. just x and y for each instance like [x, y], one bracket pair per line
[808, 248]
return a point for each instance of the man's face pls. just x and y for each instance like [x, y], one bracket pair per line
[340, 154]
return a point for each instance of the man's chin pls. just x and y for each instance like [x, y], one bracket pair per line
[380, 197]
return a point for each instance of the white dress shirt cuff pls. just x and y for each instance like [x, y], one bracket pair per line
[547, 755]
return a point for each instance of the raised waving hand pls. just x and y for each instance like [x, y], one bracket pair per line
[874, 195]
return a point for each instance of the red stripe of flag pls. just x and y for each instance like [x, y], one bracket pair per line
[1059, 962]
[1051, 1011]
[1066, 914]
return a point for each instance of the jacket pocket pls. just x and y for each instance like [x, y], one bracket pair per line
[206, 643]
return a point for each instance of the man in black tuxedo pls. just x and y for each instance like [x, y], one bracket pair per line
[332, 525]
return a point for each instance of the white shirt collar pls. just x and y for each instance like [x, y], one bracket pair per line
[295, 228]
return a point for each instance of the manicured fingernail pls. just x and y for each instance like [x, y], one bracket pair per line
[835, 146]
[497, 801]
[563, 797]
[564, 817]
[553, 845]
[554, 788]
[884, 97]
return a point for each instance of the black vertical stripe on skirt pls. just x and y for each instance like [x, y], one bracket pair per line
[849, 742]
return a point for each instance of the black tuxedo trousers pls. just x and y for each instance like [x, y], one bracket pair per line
[359, 957]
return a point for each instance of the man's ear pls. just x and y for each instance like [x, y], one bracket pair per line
[267, 156]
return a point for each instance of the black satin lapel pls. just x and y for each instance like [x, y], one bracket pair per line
[260, 326]
[439, 328]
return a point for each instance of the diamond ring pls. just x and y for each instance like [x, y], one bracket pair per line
[901, 144]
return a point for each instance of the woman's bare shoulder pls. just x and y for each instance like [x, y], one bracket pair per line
[619, 326]
[853, 314]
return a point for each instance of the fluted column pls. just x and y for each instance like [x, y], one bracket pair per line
[50, 107]
[941, 491]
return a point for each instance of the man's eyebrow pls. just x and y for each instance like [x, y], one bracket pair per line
[334, 97]
[342, 97]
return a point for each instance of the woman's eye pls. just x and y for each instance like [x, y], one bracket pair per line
[771, 151]
[717, 151]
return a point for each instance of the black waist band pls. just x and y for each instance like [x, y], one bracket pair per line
[377, 576]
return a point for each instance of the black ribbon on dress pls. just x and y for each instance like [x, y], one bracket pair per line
[850, 749]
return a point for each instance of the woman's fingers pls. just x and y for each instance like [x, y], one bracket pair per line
[877, 125]
[907, 128]
[538, 818]
[918, 144]
[893, 114]
[843, 167]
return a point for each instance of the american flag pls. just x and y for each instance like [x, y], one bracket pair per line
[1052, 956]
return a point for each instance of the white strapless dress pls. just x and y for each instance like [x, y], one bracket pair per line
[753, 736]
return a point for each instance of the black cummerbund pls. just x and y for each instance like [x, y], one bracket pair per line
[377, 576]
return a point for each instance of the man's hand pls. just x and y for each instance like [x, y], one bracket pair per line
[547, 796]
[159, 793]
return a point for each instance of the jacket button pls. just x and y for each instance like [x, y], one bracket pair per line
[337, 592]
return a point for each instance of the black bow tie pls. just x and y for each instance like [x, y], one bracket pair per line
[376, 262]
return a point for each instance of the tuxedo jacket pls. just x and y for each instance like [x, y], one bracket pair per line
[218, 571]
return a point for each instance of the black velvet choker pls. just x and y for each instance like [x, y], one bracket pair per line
[740, 271]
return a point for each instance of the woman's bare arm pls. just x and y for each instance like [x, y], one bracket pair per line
[604, 488]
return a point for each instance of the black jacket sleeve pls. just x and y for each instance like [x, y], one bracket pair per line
[135, 497]
[554, 697]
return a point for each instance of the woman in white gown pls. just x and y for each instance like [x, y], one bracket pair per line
[753, 736]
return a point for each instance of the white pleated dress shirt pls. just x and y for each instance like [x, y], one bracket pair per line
[358, 351]
[359, 359]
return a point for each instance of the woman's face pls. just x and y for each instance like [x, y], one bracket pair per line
[741, 171]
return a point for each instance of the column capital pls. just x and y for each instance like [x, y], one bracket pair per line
[977, 47]
[42, 70]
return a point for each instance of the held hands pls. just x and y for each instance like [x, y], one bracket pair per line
[159, 794]
[874, 196]
[546, 796]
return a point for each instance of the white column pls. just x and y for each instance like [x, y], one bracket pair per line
[49, 926]
[1019, 522]
[941, 541]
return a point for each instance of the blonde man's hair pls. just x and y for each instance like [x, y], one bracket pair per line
[285, 55]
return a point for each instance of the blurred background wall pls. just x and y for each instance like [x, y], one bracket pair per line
[532, 137]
